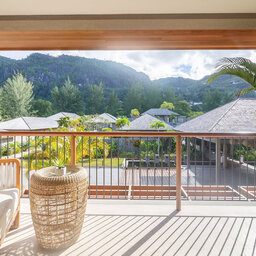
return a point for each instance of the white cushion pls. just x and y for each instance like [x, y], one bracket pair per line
[9, 200]
[7, 175]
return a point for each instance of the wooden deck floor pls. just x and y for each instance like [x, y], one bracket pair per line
[150, 228]
[197, 175]
[155, 176]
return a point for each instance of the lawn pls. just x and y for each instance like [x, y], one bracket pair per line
[100, 162]
[86, 162]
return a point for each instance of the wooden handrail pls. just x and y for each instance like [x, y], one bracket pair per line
[129, 134]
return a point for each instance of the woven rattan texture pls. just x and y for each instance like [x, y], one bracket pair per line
[58, 206]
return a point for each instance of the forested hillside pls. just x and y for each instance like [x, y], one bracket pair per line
[46, 72]
[194, 90]
[95, 86]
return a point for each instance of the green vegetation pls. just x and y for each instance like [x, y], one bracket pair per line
[195, 114]
[90, 86]
[42, 108]
[16, 97]
[113, 104]
[183, 108]
[95, 99]
[240, 67]
[121, 122]
[67, 98]
[167, 105]
[104, 162]
[158, 125]
[134, 112]
[215, 99]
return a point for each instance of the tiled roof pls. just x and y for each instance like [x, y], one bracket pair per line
[143, 123]
[104, 118]
[57, 116]
[28, 123]
[236, 116]
[159, 112]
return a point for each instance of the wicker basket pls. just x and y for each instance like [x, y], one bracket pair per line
[58, 205]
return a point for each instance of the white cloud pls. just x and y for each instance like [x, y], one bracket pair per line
[193, 64]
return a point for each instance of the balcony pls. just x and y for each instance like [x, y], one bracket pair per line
[150, 228]
[181, 194]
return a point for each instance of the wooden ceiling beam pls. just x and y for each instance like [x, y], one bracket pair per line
[128, 39]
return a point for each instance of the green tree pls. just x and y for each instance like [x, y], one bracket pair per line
[212, 100]
[122, 121]
[113, 103]
[16, 97]
[240, 67]
[195, 114]
[167, 105]
[134, 112]
[133, 98]
[95, 99]
[42, 107]
[67, 98]
[152, 97]
[157, 125]
[168, 95]
[183, 108]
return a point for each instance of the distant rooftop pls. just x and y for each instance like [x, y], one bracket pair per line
[236, 116]
[28, 124]
[104, 118]
[143, 123]
[57, 116]
[160, 112]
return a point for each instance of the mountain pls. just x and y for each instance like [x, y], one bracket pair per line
[46, 72]
[193, 90]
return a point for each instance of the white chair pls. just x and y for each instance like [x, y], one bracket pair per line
[10, 190]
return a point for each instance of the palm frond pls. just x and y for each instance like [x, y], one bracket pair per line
[240, 67]
[246, 90]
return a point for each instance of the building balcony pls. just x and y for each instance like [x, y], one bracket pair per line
[150, 193]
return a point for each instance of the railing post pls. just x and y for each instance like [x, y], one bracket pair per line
[73, 149]
[218, 155]
[178, 172]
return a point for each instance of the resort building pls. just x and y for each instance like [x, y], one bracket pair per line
[167, 116]
[29, 124]
[144, 122]
[57, 116]
[236, 116]
[104, 120]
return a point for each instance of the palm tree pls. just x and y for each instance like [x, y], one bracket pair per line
[157, 125]
[240, 67]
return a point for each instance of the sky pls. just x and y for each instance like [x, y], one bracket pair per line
[194, 64]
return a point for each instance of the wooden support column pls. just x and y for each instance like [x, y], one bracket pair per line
[218, 155]
[178, 172]
[73, 149]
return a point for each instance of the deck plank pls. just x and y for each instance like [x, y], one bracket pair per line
[149, 228]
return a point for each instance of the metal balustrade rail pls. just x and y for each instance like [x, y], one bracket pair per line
[144, 165]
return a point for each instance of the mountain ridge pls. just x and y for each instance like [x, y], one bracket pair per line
[46, 72]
